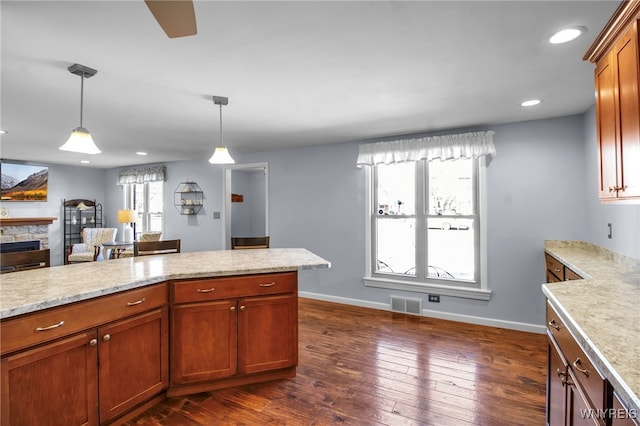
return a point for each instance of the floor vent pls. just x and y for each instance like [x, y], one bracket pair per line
[405, 305]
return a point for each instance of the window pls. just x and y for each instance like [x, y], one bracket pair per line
[425, 227]
[147, 199]
[143, 190]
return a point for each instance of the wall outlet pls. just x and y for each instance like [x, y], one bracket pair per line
[216, 215]
[435, 298]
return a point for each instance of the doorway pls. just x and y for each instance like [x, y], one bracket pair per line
[246, 201]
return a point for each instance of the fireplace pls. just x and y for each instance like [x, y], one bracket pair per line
[25, 230]
[19, 246]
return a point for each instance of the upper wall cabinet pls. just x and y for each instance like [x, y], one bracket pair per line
[616, 55]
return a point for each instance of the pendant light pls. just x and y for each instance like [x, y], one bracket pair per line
[221, 154]
[81, 139]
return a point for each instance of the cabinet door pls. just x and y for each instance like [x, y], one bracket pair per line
[268, 333]
[204, 341]
[556, 378]
[54, 384]
[133, 361]
[626, 59]
[606, 120]
[579, 411]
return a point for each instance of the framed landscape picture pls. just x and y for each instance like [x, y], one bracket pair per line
[23, 182]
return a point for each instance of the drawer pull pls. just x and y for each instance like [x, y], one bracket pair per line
[554, 324]
[557, 270]
[106, 337]
[576, 364]
[207, 290]
[267, 285]
[93, 342]
[60, 324]
[137, 302]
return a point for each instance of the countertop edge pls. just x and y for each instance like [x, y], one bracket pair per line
[47, 303]
[624, 392]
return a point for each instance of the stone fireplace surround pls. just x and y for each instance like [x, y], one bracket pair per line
[26, 229]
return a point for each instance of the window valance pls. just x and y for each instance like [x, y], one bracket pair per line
[445, 147]
[142, 175]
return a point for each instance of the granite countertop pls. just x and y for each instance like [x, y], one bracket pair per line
[602, 311]
[37, 289]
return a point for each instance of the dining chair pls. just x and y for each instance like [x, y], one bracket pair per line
[23, 260]
[241, 243]
[146, 248]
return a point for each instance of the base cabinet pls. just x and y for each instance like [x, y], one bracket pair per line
[54, 384]
[133, 362]
[232, 330]
[108, 364]
[577, 394]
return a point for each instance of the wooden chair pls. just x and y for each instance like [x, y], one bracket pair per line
[146, 248]
[241, 243]
[23, 260]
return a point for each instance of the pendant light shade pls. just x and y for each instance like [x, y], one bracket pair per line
[221, 154]
[81, 140]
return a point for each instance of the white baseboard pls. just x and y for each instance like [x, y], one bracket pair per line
[469, 319]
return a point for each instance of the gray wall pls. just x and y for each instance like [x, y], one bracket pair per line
[624, 219]
[541, 185]
[535, 192]
[248, 217]
[65, 182]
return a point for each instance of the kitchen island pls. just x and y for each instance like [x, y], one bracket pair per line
[601, 313]
[140, 329]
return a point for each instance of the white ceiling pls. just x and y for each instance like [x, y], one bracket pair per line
[296, 73]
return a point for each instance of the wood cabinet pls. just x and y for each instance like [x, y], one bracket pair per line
[621, 415]
[86, 363]
[617, 81]
[57, 381]
[577, 394]
[558, 271]
[233, 330]
[134, 365]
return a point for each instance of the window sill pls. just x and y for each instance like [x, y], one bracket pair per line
[443, 290]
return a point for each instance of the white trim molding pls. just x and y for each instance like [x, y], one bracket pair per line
[469, 319]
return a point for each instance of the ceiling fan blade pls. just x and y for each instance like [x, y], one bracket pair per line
[176, 17]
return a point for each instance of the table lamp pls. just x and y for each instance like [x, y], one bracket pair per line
[127, 217]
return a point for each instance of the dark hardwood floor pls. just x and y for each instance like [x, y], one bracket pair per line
[368, 367]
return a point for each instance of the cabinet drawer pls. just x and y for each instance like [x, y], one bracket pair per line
[588, 377]
[554, 266]
[39, 327]
[231, 287]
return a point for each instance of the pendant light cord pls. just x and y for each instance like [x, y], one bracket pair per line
[221, 141]
[81, 95]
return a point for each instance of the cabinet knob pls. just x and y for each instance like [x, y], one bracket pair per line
[93, 342]
[106, 337]
[554, 324]
[242, 308]
[233, 308]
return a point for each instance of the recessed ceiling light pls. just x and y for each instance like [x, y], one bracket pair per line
[141, 153]
[85, 161]
[530, 102]
[566, 35]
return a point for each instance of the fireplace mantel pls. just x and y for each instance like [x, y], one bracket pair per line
[24, 221]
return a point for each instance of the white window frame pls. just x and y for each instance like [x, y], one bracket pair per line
[479, 290]
[129, 204]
